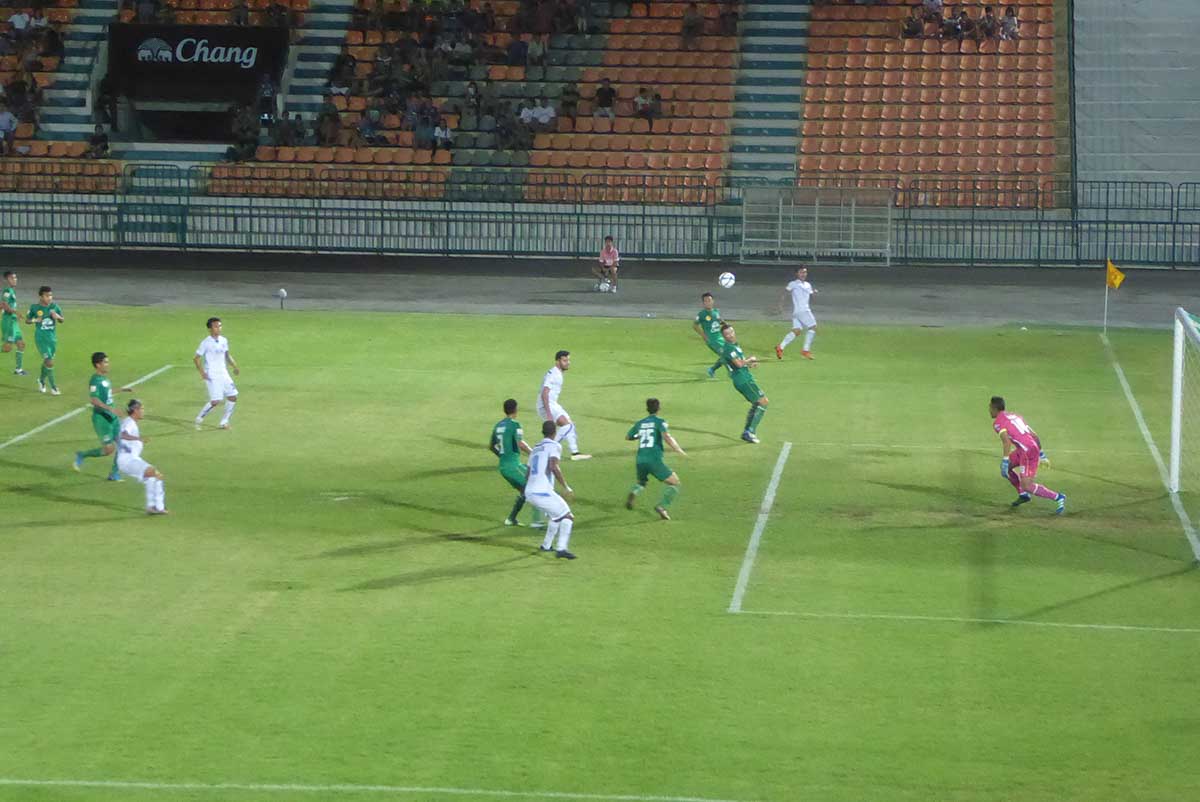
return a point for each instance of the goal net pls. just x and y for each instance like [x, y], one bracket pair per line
[817, 223]
[1184, 470]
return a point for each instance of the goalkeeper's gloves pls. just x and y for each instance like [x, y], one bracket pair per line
[1004, 467]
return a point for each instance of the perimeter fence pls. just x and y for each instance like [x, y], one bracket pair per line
[970, 220]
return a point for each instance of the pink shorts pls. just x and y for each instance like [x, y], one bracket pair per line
[1025, 463]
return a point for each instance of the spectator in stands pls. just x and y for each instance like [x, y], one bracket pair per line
[282, 133]
[966, 26]
[535, 55]
[933, 10]
[240, 14]
[340, 85]
[266, 96]
[641, 103]
[165, 15]
[728, 19]
[987, 25]
[583, 17]
[517, 53]
[8, 45]
[1010, 26]
[463, 54]
[656, 107]
[693, 26]
[20, 23]
[543, 114]
[106, 102]
[442, 136]
[471, 97]
[329, 123]
[38, 22]
[146, 11]
[951, 26]
[914, 24]
[605, 98]
[527, 117]
[8, 130]
[52, 43]
[279, 15]
[423, 133]
[97, 144]
[304, 134]
[569, 100]
[489, 17]
[369, 129]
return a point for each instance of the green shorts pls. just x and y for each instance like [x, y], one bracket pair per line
[515, 474]
[714, 347]
[658, 469]
[10, 330]
[46, 346]
[749, 390]
[107, 430]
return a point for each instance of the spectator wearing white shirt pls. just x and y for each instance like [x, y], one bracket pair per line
[38, 21]
[20, 23]
[543, 114]
[8, 129]
[442, 136]
[527, 116]
[1010, 25]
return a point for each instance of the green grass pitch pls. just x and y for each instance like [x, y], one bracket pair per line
[333, 600]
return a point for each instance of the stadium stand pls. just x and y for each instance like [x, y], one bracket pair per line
[878, 105]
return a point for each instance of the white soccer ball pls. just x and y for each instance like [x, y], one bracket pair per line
[605, 286]
[282, 293]
[727, 280]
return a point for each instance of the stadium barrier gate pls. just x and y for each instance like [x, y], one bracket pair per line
[983, 220]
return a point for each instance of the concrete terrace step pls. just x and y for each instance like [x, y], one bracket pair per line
[788, 149]
[776, 16]
[770, 78]
[170, 151]
[782, 61]
[764, 131]
[766, 95]
[767, 114]
[776, 47]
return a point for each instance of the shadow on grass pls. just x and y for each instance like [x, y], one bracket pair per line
[935, 491]
[685, 429]
[43, 493]
[454, 471]
[1036, 614]
[448, 573]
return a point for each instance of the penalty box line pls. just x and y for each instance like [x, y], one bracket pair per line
[760, 525]
[1188, 530]
[948, 619]
[39, 429]
[393, 790]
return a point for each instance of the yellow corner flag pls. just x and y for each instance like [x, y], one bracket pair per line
[1112, 276]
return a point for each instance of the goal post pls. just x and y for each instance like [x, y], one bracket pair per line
[1185, 371]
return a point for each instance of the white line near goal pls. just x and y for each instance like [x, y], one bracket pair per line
[764, 512]
[1188, 530]
[383, 790]
[38, 429]
[948, 619]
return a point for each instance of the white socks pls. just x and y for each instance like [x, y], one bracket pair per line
[564, 533]
[155, 494]
[808, 338]
[207, 408]
[787, 340]
[568, 433]
[229, 405]
[551, 531]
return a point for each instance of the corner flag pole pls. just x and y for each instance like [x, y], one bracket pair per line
[1106, 309]
[1112, 280]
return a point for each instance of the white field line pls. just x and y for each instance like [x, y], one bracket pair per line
[945, 619]
[764, 512]
[393, 790]
[1184, 520]
[975, 447]
[37, 429]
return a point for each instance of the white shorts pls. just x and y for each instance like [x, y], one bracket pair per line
[803, 319]
[552, 504]
[133, 467]
[556, 412]
[221, 388]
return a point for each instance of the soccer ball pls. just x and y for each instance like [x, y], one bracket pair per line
[726, 280]
[605, 286]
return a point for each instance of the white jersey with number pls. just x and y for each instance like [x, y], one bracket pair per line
[131, 448]
[213, 352]
[801, 292]
[540, 479]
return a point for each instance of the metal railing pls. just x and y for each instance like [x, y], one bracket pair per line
[972, 220]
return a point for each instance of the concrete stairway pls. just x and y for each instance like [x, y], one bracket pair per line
[66, 112]
[770, 88]
[321, 40]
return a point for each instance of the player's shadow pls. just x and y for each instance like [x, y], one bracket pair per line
[45, 470]
[408, 505]
[473, 445]
[45, 494]
[686, 373]
[937, 491]
[455, 471]
[685, 429]
[449, 573]
[1104, 479]
[1038, 613]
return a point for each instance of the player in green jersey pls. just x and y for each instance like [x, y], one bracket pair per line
[105, 420]
[739, 370]
[10, 328]
[708, 326]
[508, 443]
[650, 433]
[45, 315]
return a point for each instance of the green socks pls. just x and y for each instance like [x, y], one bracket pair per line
[92, 452]
[754, 417]
[42, 375]
[520, 502]
[20, 359]
[48, 377]
[669, 494]
[636, 489]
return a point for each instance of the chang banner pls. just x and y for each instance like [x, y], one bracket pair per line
[194, 62]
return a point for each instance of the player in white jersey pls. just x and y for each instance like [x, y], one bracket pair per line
[539, 491]
[802, 316]
[213, 360]
[130, 462]
[549, 409]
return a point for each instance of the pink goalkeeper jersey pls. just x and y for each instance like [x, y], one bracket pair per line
[1019, 431]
